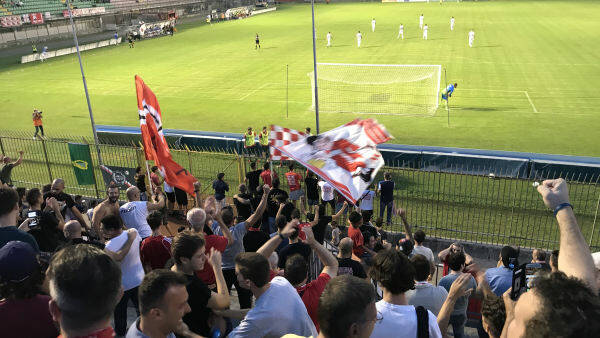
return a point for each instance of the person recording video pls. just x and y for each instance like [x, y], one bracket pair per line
[37, 123]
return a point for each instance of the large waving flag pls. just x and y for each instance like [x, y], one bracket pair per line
[155, 145]
[346, 157]
[279, 137]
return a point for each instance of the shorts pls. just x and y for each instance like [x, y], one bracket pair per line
[312, 202]
[296, 194]
[181, 197]
[170, 196]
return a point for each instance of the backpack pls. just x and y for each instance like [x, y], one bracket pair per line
[422, 322]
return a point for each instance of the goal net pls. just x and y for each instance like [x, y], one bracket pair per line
[377, 89]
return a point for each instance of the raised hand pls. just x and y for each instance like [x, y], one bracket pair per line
[215, 257]
[554, 192]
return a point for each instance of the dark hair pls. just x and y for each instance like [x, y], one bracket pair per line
[422, 267]
[419, 236]
[569, 308]
[185, 245]
[266, 166]
[253, 266]
[554, 258]
[343, 303]
[21, 192]
[507, 253]
[379, 222]
[220, 176]
[46, 188]
[296, 269]
[155, 285]
[24, 289]
[280, 222]
[253, 165]
[77, 198]
[85, 283]
[227, 216]
[48, 221]
[407, 247]
[8, 200]
[310, 174]
[493, 312]
[387, 176]
[276, 183]
[112, 222]
[393, 271]
[154, 168]
[308, 129]
[33, 196]
[354, 218]
[280, 198]
[456, 260]
[154, 219]
[541, 255]
[291, 166]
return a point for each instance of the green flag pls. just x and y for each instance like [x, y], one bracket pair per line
[81, 160]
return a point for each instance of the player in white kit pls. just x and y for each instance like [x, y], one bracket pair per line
[373, 25]
[401, 32]
[421, 21]
[452, 23]
[328, 39]
[425, 28]
[471, 37]
[358, 38]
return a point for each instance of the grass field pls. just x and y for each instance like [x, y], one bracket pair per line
[528, 84]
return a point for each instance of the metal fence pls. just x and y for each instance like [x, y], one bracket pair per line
[477, 208]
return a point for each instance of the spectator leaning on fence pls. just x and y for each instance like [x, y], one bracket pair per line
[425, 294]
[7, 167]
[9, 208]
[85, 287]
[22, 303]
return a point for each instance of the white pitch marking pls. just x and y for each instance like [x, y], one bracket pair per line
[254, 91]
[530, 102]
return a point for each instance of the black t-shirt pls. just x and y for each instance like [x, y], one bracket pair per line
[65, 201]
[348, 266]
[76, 241]
[253, 180]
[365, 228]
[243, 210]
[292, 249]
[312, 191]
[387, 191]
[198, 297]
[5, 173]
[273, 205]
[254, 239]
[320, 227]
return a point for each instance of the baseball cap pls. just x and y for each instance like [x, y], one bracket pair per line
[17, 261]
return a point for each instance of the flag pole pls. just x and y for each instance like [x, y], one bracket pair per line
[314, 38]
[87, 96]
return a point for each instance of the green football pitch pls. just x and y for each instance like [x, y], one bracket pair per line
[530, 82]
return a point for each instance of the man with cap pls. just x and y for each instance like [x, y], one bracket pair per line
[21, 304]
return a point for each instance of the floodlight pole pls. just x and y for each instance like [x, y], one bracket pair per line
[87, 96]
[314, 38]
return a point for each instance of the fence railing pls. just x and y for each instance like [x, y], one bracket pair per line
[489, 209]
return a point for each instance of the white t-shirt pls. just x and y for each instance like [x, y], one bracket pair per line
[373, 22]
[421, 19]
[401, 321]
[425, 28]
[367, 201]
[471, 35]
[277, 312]
[134, 216]
[401, 28]
[132, 271]
[358, 36]
[452, 22]
[421, 250]
[328, 36]
[326, 191]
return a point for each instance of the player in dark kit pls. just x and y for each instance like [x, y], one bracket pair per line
[257, 40]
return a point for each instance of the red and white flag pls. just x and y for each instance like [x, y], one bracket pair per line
[155, 144]
[279, 137]
[346, 157]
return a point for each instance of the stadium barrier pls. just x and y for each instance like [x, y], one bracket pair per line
[262, 11]
[456, 204]
[70, 50]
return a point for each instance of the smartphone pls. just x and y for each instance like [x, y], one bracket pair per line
[33, 215]
[523, 277]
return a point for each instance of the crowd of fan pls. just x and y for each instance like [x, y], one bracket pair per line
[71, 270]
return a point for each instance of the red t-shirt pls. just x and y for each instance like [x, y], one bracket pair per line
[207, 275]
[358, 240]
[293, 180]
[27, 318]
[310, 294]
[155, 252]
[266, 177]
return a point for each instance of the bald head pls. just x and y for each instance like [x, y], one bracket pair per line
[72, 230]
[346, 247]
[133, 194]
[196, 217]
[58, 185]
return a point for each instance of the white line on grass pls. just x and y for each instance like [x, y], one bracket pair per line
[254, 91]
[530, 102]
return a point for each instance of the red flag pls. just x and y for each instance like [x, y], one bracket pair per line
[155, 145]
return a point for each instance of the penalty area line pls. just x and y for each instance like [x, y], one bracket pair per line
[254, 91]
[530, 102]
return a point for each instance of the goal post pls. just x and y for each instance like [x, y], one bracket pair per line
[377, 88]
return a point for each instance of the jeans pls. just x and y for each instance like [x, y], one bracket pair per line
[38, 129]
[382, 206]
[120, 313]
[458, 325]
[244, 295]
